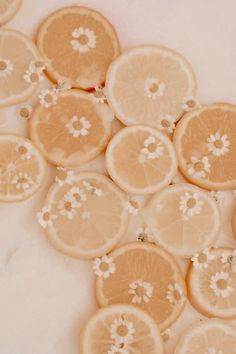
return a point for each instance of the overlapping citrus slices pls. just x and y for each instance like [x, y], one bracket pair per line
[84, 214]
[144, 275]
[212, 282]
[8, 8]
[71, 127]
[121, 329]
[150, 85]
[22, 168]
[208, 337]
[78, 44]
[20, 69]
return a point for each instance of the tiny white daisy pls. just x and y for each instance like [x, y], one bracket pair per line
[200, 260]
[104, 266]
[217, 195]
[218, 144]
[229, 259]
[98, 95]
[94, 190]
[199, 168]
[67, 206]
[24, 150]
[64, 176]
[25, 111]
[33, 76]
[62, 85]
[132, 206]
[141, 290]
[48, 97]
[78, 126]
[153, 88]
[6, 67]
[166, 335]
[22, 181]
[78, 195]
[122, 331]
[190, 204]
[45, 218]
[84, 39]
[117, 349]
[144, 234]
[213, 351]
[175, 294]
[166, 123]
[220, 284]
[152, 149]
[37, 66]
[189, 104]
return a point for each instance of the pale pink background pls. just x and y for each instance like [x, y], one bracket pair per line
[44, 296]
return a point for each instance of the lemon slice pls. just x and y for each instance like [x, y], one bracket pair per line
[8, 9]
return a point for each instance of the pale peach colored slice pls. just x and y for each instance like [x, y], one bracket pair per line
[22, 168]
[121, 329]
[8, 9]
[144, 275]
[205, 142]
[72, 130]
[79, 44]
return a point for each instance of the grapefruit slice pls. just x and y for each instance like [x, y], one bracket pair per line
[18, 79]
[121, 329]
[205, 142]
[78, 44]
[141, 159]
[85, 216]
[147, 276]
[22, 168]
[212, 287]
[150, 85]
[184, 219]
[208, 337]
[72, 130]
[8, 9]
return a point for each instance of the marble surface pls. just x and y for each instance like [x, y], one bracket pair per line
[44, 296]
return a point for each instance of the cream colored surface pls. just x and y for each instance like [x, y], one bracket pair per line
[44, 296]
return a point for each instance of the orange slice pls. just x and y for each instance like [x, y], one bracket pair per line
[71, 129]
[141, 159]
[19, 78]
[184, 219]
[8, 9]
[22, 168]
[208, 337]
[121, 329]
[144, 275]
[234, 224]
[150, 85]
[79, 44]
[84, 215]
[205, 142]
[212, 283]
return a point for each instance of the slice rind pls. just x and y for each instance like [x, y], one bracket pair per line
[96, 335]
[17, 52]
[157, 277]
[208, 336]
[148, 83]
[87, 215]
[8, 9]
[184, 219]
[79, 44]
[22, 168]
[212, 288]
[205, 142]
[72, 131]
[141, 159]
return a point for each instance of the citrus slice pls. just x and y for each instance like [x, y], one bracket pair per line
[205, 142]
[79, 44]
[141, 159]
[212, 282]
[234, 224]
[144, 275]
[121, 329]
[18, 78]
[71, 130]
[150, 85]
[22, 168]
[184, 219]
[84, 214]
[208, 337]
[8, 9]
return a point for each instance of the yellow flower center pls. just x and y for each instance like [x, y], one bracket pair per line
[83, 39]
[165, 337]
[104, 267]
[48, 98]
[165, 123]
[218, 144]
[176, 295]
[202, 258]
[46, 216]
[22, 180]
[199, 166]
[22, 150]
[222, 284]
[34, 77]
[68, 206]
[77, 125]
[122, 330]
[3, 65]
[154, 88]
[152, 147]
[24, 113]
[191, 103]
[77, 197]
[62, 175]
[191, 203]
[140, 291]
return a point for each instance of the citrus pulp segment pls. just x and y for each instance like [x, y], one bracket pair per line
[78, 44]
[141, 159]
[8, 8]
